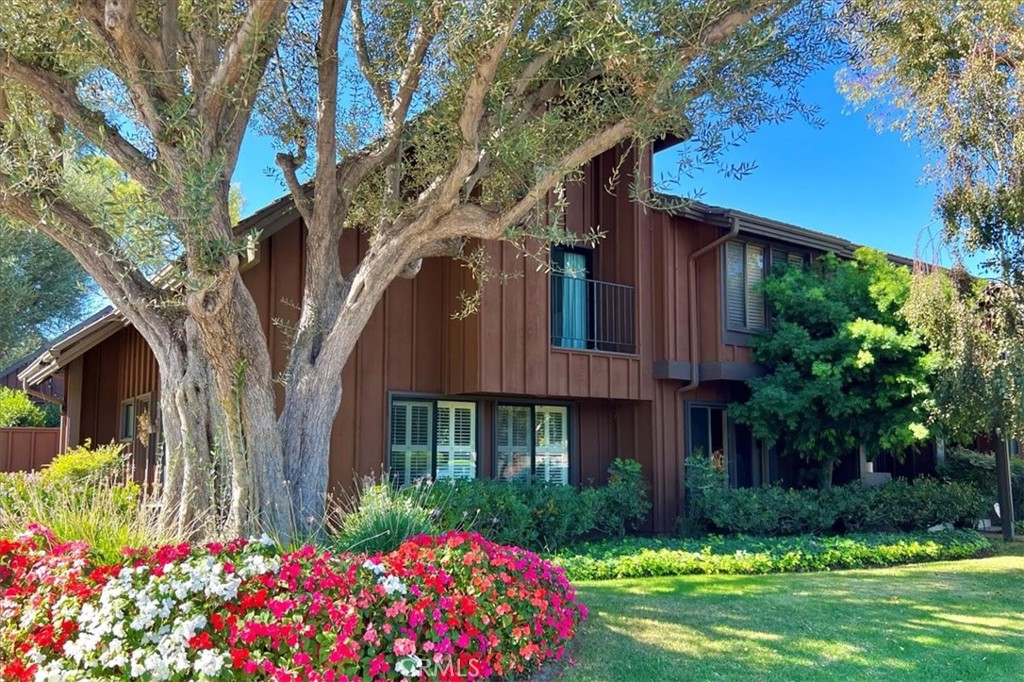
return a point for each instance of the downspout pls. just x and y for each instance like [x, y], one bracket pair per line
[694, 344]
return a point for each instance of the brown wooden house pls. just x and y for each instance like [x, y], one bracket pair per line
[631, 349]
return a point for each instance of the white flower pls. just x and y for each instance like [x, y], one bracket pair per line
[375, 568]
[209, 663]
[392, 584]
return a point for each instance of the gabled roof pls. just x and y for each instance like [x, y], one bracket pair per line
[72, 344]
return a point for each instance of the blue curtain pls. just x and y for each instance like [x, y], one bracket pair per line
[574, 301]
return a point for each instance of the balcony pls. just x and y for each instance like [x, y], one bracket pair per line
[589, 314]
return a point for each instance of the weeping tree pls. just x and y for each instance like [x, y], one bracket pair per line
[427, 124]
[975, 329]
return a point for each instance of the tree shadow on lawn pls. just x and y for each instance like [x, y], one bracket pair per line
[932, 622]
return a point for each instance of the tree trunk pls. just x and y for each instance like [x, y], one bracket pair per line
[235, 346]
[1003, 478]
[825, 474]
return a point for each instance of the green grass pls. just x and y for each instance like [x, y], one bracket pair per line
[937, 622]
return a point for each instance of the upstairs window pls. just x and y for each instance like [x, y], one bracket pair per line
[746, 266]
[571, 293]
[432, 439]
[744, 272]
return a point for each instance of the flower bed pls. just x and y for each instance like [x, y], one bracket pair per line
[642, 558]
[455, 607]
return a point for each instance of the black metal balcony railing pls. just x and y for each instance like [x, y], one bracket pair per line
[594, 315]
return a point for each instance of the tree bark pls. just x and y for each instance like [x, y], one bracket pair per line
[1006, 515]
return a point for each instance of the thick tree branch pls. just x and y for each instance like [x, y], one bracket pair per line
[59, 94]
[93, 248]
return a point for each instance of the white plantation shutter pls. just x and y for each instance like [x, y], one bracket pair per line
[754, 277]
[411, 440]
[513, 443]
[796, 259]
[736, 301]
[456, 440]
[552, 443]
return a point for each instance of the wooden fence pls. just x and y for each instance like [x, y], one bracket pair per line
[28, 449]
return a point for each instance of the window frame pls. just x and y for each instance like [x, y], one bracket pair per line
[126, 432]
[433, 400]
[743, 336]
[570, 434]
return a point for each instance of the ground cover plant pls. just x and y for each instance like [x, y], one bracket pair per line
[648, 557]
[938, 622]
[444, 608]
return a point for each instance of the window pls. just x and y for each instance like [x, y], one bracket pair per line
[745, 268]
[432, 439]
[744, 271]
[128, 419]
[533, 443]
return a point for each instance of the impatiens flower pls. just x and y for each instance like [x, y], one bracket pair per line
[244, 609]
[404, 646]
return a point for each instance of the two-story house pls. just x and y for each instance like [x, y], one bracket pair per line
[632, 348]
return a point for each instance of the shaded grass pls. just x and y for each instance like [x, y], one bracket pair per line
[937, 622]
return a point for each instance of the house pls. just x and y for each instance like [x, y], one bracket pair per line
[632, 349]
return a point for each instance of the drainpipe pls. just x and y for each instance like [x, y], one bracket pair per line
[694, 343]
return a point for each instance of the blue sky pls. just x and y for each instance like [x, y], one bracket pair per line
[844, 178]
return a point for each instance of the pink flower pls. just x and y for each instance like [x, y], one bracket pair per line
[404, 646]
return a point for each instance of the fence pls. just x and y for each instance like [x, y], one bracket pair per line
[27, 449]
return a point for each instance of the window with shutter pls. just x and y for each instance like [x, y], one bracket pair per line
[411, 440]
[456, 440]
[744, 272]
[754, 278]
[736, 302]
[513, 446]
[552, 444]
[532, 443]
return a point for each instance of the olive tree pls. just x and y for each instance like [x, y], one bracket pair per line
[425, 123]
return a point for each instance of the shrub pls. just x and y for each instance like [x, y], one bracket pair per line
[623, 503]
[453, 607]
[649, 557]
[84, 495]
[85, 464]
[542, 516]
[979, 469]
[897, 505]
[17, 409]
[380, 518]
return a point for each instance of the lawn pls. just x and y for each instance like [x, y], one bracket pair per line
[944, 621]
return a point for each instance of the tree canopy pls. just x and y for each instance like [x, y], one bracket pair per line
[844, 368]
[42, 291]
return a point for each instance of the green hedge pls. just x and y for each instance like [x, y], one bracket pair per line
[18, 410]
[979, 470]
[644, 557]
[538, 516]
[894, 506]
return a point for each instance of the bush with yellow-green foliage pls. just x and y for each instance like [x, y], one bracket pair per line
[18, 410]
[84, 494]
